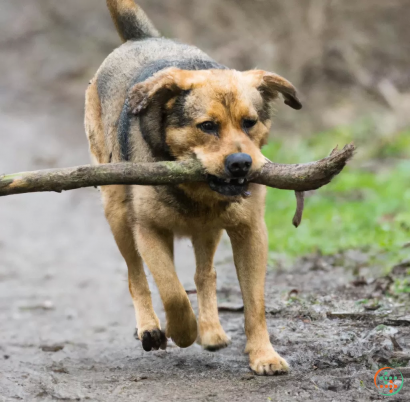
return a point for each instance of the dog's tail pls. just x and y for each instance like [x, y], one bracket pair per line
[130, 20]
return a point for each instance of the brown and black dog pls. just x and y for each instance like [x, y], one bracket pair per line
[154, 99]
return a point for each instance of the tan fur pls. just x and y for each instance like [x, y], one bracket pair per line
[122, 11]
[249, 243]
[212, 335]
[115, 206]
[145, 220]
[93, 125]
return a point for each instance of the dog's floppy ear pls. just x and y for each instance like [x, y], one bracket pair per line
[269, 84]
[161, 87]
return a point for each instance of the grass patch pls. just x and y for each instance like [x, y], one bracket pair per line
[402, 285]
[366, 206]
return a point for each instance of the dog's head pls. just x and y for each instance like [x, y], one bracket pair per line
[221, 117]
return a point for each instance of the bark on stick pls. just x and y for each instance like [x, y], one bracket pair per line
[299, 177]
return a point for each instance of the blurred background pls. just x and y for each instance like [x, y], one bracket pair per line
[349, 59]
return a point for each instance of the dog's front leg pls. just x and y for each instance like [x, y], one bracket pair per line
[211, 334]
[249, 244]
[156, 248]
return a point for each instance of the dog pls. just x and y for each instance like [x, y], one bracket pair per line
[154, 99]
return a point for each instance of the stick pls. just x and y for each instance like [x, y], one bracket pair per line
[59, 180]
[300, 204]
[300, 177]
[304, 176]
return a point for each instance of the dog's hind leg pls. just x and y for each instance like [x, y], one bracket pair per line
[156, 248]
[115, 206]
[211, 334]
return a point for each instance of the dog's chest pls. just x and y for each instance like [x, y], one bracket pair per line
[171, 209]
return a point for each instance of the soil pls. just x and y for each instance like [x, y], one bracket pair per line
[66, 318]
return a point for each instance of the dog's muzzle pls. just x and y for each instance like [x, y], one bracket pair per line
[237, 167]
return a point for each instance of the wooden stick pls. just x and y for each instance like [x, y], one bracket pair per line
[300, 205]
[300, 177]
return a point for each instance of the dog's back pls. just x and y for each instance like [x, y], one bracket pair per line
[142, 55]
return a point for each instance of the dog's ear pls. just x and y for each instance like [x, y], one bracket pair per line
[161, 87]
[269, 84]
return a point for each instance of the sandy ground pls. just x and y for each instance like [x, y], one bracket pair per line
[66, 318]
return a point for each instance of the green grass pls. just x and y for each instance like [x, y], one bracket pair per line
[367, 206]
[402, 285]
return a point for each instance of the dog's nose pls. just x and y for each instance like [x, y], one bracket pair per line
[238, 165]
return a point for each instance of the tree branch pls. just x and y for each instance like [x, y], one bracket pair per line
[304, 176]
[300, 177]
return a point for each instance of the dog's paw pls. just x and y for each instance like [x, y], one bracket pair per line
[182, 326]
[268, 362]
[213, 338]
[152, 340]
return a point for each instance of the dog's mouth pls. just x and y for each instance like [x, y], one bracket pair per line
[228, 187]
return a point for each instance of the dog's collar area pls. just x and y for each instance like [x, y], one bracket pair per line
[228, 186]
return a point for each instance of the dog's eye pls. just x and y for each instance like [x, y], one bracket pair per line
[208, 127]
[248, 123]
